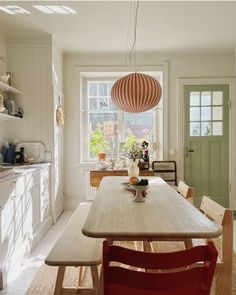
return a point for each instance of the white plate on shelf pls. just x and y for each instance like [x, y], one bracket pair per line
[35, 150]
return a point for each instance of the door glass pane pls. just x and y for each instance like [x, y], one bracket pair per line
[217, 113]
[206, 98]
[194, 113]
[217, 97]
[194, 98]
[195, 129]
[205, 128]
[205, 113]
[217, 128]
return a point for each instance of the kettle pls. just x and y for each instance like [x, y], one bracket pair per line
[9, 153]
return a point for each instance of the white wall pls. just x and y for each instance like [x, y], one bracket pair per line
[30, 60]
[3, 69]
[180, 65]
[58, 98]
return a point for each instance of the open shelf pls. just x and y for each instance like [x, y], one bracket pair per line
[5, 87]
[8, 117]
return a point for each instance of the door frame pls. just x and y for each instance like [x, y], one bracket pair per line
[231, 82]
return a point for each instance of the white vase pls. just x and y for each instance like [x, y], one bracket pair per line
[132, 167]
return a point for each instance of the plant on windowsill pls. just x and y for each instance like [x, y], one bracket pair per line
[98, 144]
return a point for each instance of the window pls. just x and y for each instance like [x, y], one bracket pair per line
[206, 113]
[98, 112]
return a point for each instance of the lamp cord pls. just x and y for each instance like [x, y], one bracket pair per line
[135, 37]
[127, 35]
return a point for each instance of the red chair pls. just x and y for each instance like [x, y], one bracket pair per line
[194, 278]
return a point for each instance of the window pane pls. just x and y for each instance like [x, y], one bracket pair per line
[217, 128]
[103, 104]
[108, 122]
[141, 125]
[194, 129]
[92, 89]
[205, 128]
[93, 104]
[102, 89]
[217, 113]
[194, 113]
[194, 98]
[217, 97]
[206, 98]
[205, 113]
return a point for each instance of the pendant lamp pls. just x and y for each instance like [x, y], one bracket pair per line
[136, 92]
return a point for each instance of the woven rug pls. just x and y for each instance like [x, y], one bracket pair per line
[44, 281]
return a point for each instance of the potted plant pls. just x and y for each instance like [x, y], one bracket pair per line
[98, 144]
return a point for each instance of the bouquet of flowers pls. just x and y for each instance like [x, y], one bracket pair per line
[132, 148]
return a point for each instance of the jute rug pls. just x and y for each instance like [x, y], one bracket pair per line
[44, 281]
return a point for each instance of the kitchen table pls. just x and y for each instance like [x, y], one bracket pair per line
[165, 214]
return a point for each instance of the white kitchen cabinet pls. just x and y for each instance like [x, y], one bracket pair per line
[25, 216]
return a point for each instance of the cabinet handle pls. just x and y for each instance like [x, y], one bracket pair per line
[1, 208]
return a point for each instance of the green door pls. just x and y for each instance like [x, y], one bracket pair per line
[206, 166]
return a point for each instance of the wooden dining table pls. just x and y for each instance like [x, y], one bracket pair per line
[164, 215]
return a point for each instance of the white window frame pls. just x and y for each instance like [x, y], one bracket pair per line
[108, 73]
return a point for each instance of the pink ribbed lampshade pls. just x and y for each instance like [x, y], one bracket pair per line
[136, 93]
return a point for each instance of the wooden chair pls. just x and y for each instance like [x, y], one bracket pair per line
[169, 280]
[166, 170]
[224, 217]
[186, 191]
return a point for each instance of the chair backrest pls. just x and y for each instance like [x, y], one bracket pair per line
[177, 272]
[166, 170]
[186, 191]
[223, 217]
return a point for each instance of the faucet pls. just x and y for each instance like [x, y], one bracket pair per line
[5, 142]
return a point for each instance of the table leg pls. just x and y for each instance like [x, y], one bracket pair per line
[188, 243]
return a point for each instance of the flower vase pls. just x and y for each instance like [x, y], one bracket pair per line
[132, 167]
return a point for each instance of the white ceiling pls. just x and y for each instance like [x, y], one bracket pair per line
[102, 26]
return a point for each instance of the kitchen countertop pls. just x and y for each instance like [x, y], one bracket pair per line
[20, 170]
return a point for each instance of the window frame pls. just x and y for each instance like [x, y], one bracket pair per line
[112, 73]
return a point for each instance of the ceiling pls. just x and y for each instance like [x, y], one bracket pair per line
[107, 26]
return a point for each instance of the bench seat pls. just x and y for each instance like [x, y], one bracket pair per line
[74, 249]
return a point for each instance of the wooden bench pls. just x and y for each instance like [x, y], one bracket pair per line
[75, 249]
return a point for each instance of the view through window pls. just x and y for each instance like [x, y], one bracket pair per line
[102, 118]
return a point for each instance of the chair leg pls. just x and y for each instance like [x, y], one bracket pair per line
[82, 270]
[59, 281]
[188, 243]
[147, 246]
[95, 277]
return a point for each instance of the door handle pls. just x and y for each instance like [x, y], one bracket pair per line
[187, 151]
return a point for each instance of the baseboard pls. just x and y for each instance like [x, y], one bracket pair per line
[71, 203]
[42, 230]
[58, 213]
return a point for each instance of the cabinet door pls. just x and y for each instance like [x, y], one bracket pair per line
[7, 230]
[44, 192]
[35, 195]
